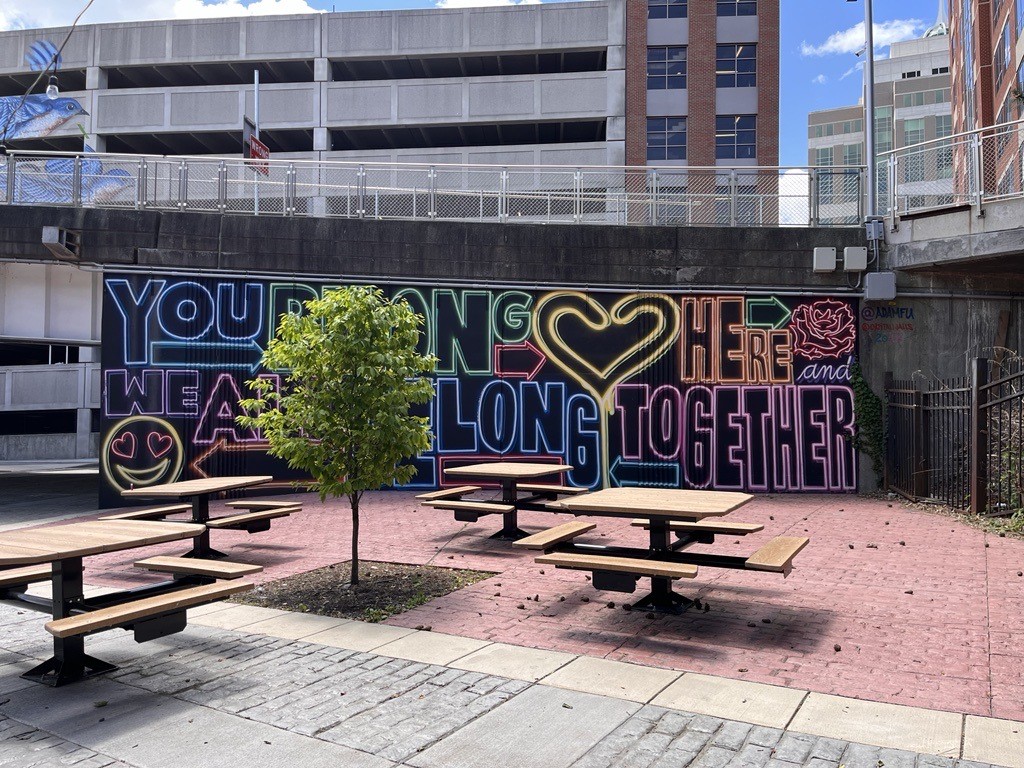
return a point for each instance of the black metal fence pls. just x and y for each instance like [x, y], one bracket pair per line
[959, 441]
[1001, 408]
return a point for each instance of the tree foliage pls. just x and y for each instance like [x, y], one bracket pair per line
[351, 374]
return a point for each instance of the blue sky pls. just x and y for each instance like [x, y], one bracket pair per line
[819, 38]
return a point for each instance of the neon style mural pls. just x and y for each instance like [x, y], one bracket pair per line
[632, 388]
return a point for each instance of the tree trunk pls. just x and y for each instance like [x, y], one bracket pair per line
[355, 540]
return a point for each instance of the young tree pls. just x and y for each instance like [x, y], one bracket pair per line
[351, 374]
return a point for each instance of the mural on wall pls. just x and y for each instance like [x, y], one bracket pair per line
[632, 388]
[38, 116]
[53, 181]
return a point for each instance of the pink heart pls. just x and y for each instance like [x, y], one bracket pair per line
[124, 446]
[158, 444]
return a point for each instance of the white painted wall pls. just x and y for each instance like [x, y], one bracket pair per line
[49, 302]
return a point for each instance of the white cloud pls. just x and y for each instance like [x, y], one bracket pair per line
[19, 14]
[821, 79]
[856, 68]
[852, 40]
[482, 3]
[197, 9]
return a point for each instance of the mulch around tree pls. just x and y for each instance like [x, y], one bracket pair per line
[384, 589]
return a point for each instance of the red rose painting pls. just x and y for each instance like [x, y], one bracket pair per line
[823, 329]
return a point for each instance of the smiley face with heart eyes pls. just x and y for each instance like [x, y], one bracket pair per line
[141, 451]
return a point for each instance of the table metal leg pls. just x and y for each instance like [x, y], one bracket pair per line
[201, 544]
[69, 662]
[510, 530]
[661, 597]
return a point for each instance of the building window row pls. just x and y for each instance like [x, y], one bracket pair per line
[1020, 17]
[737, 7]
[676, 9]
[736, 66]
[666, 9]
[666, 138]
[920, 98]
[735, 138]
[832, 129]
[666, 68]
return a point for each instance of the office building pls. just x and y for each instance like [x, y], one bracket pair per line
[912, 104]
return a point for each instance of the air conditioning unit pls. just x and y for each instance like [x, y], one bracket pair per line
[65, 244]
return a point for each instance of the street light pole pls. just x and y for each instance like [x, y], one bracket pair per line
[869, 111]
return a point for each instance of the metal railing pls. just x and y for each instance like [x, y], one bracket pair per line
[970, 168]
[715, 196]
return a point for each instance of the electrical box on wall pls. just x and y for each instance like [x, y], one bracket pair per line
[824, 259]
[855, 259]
[880, 286]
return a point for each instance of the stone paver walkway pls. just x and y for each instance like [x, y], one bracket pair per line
[218, 697]
[887, 603]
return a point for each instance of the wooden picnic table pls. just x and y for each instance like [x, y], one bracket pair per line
[198, 492]
[64, 547]
[508, 474]
[660, 507]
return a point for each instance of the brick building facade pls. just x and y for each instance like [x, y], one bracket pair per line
[702, 82]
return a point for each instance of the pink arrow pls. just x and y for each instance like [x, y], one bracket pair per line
[526, 360]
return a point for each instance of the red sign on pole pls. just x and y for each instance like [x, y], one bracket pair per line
[259, 151]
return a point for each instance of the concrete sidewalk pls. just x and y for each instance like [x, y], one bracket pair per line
[245, 686]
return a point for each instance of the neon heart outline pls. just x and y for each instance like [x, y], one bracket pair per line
[663, 336]
[161, 439]
[125, 438]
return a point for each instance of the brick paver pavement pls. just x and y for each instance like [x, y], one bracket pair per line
[925, 611]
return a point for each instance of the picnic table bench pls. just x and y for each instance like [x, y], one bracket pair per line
[508, 474]
[56, 553]
[255, 515]
[688, 515]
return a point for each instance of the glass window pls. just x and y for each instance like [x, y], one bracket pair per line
[853, 154]
[823, 158]
[666, 9]
[737, 7]
[1020, 17]
[943, 126]
[913, 131]
[913, 163]
[883, 129]
[736, 66]
[735, 137]
[666, 138]
[666, 68]
[1001, 55]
